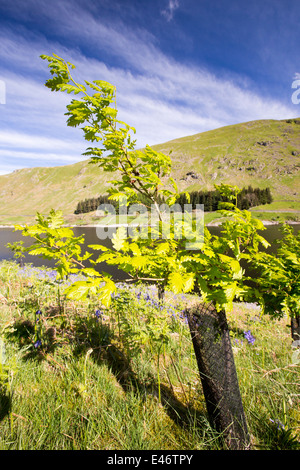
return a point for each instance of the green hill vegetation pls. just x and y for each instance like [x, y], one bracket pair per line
[263, 154]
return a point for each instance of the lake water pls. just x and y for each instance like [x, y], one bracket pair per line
[8, 235]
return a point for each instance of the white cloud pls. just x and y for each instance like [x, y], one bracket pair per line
[5, 169]
[35, 157]
[33, 142]
[161, 97]
[168, 12]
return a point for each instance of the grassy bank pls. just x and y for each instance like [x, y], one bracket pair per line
[76, 220]
[76, 376]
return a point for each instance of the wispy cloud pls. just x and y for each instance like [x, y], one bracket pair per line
[170, 9]
[161, 97]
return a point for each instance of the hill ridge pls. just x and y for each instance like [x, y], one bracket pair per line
[261, 153]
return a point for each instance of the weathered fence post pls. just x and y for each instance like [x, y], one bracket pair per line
[212, 346]
[295, 327]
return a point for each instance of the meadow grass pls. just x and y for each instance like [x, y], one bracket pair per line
[78, 376]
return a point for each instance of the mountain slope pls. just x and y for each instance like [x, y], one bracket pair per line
[26, 191]
[264, 153]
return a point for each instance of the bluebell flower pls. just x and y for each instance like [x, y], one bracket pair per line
[98, 313]
[278, 423]
[249, 337]
[238, 341]
[38, 343]
[37, 314]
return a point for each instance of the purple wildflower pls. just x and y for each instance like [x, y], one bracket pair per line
[37, 314]
[237, 341]
[38, 343]
[98, 313]
[277, 423]
[249, 337]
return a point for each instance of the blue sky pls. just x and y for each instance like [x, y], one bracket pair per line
[180, 67]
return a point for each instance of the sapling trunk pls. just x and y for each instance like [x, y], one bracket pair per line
[212, 346]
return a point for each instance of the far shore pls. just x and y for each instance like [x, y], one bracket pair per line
[210, 224]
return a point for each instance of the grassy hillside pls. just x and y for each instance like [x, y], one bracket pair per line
[26, 191]
[74, 381]
[263, 153]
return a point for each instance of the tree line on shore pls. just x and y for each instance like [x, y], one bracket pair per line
[247, 198]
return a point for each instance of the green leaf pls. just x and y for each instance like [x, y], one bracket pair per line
[292, 257]
[139, 261]
[262, 240]
[99, 247]
[178, 282]
[189, 282]
[90, 272]
[233, 264]
[162, 248]
[41, 251]
[106, 292]
[105, 257]
[119, 238]
[70, 88]
[135, 249]
[79, 290]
